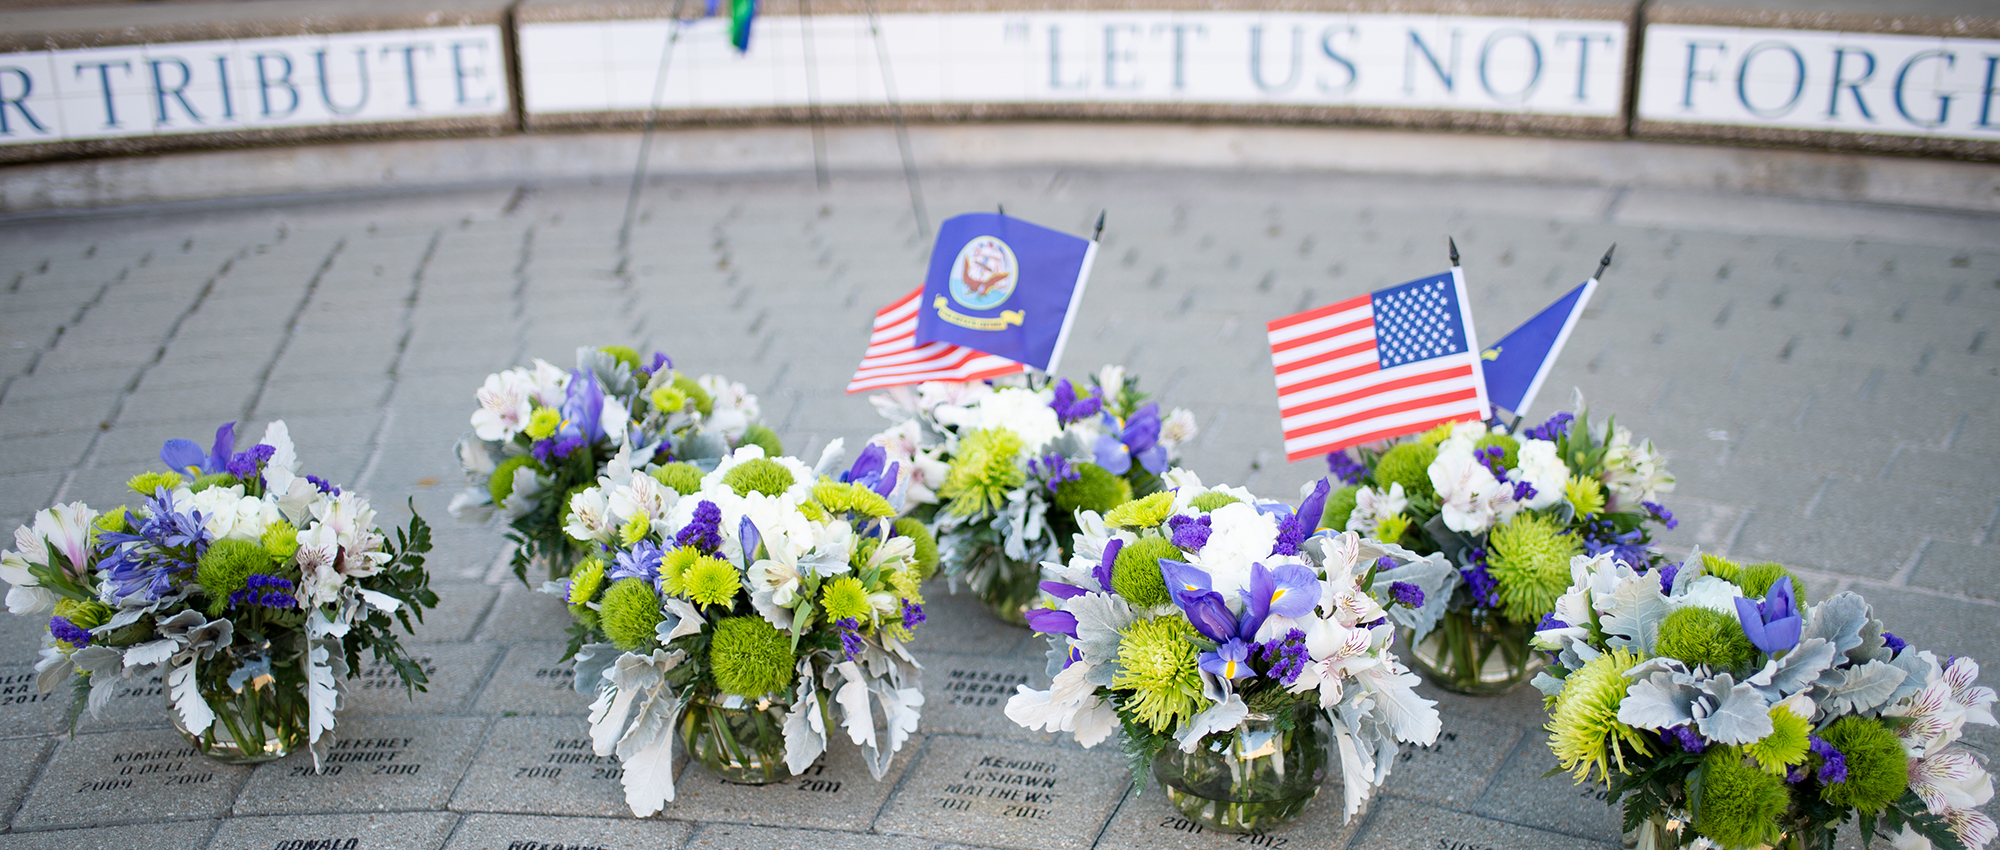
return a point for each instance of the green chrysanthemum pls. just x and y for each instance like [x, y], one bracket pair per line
[1530, 558]
[1740, 805]
[634, 529]
[226, 568]
[629, 613]
[1785, 746]
[1094, 489]
[750, 658]
[759, 475]
[501, 485]
[1142, 513]
[1510, 448]
[1390, 529]
[1211, 500]
[667, 399]
[1157, 663]
[1698, 635]
[214, 479]
[1878, 771]
[1721, 568]
[1585, 495]
[542, 423]
[113, 521]
[281, 540]
[711, 581]
[987, 467]
[586, 580]
[624, 354]
[838, 498]
[845, 598]
[926, 545]
[1408, 464]
[683, 478]
[1339, 506]
[1756, 581]
[1437, 434]
[703, 403]
[1584, 731]
[86, 614]
[765, 438]
[863, 550]
[146, 482]
[674, 565]
[1136, 574]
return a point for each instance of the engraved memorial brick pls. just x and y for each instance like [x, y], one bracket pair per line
[1520, 793]
[412, 831]
[967, 694]
[533, 680]
[516, 832]
[24, 710]
[542, 765]
[139, 776]
[1146, 821]
[1406, 823]
[836, 792]
[1007, 794]
[461, 605]
[371, 765]
[455, 670]
[145, 836]
[1457, 767]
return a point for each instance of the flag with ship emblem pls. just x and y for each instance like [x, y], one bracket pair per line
[1393, 362]
[1004, 286]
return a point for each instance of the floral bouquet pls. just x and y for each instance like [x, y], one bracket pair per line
[1234, 643]
[543, 434]
[1511, 512]
[749, 611]
[1720, 707]
[999, 470]
[255, 587]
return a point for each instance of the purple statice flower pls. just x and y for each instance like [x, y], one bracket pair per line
[1407, 594]
[1069, 407]
[1602, 536]
[1556, 426]
[641, 561]
[1055, 468]
[1385, 564]
[1894, 643]
[1685, 738]
[850, 636]
[1231, 661]
[704, 532]
[1137, 437]
[245, 464]
[1668, 572]
[912, 613]
[1523, 490]
[1190, 533]
[871, 470]
[265, 591]
[63, 630]
[1286, 656]
[1378, 621]
[1484, 587]
[1833, 765]
[1795, 774]
[1660, 512]
[1773, 625]
[323, 485]
[1344, 467]
[148, 564]
[182, 455]
[1550, 621]
[1491, 457]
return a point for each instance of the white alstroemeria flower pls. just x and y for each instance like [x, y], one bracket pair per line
[642, 495]
[1180, 480]
[589, 517]
[1341, 596]
[353, 520]
[1536, 463]
[1022, 411]
[67, 528]
[919, 468]
[319, 576]
[283, 466]
[615, 420]
[896, 404]
[731, 395]
[1951, 779]
[25, 594]
[1372, 506]
[1178, 429]
[1972, 826]
[548, 384]
[1468, 494]
[1708, 592]
[1112, 378]
[504, 407]
[1633, 473]
[1963, 676]
[949, 401]
[1933, 717]
[1071, 704]
[1337, 651]
[1238, 537]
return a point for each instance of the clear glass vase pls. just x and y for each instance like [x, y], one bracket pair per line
[258, 694]
[1476, 651]
[1256, 779]
[738, 740]
[1007, 587]
[1663, 832]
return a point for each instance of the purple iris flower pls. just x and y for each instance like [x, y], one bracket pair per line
[1293, 530]
[1773, 624]
[1205, 608]
[1069, 407]
[1139, 437]
[746, 532]
[1230, 661]
[181, 455]
[1344, 467]
[660, 358]
[641, 561]
[583, 407]
[1291, 590]
[870, 471]
[1062, 590]
[1050, 621]
[1184, 577]
[1103, 571]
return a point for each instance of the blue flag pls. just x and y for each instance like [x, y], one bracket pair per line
[1516, 365]
[1005, 287]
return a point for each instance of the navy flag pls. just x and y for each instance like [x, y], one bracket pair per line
[1005, 287]
[1516, 365]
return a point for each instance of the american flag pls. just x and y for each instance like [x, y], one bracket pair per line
[894, 357]
[1397, 361]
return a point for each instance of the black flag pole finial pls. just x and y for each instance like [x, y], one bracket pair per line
[1100, 225]
[1454, 250]
[1606, 262]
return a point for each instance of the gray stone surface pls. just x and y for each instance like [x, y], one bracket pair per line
[185, 834]
[413, 831]
[1401, 825]
[1145, 820]
[1005, 794]
[508, 832]
[456, 671]
[532, 679]
[545, 766]
[724, 836]
[128, 777]
[397, 764]
[836, 792]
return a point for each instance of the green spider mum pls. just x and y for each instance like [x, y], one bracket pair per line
[750, 658]
[1698, 635]
[986, 469]
[1390, 529]
[586, 580]
[682, 478]
[1584, 732]
[667, 399]
[845, 598]
[1157, 663]
[1585, 495]
[1530, 558]
[146, 482]
[542, 423]
[1408, 464]
[674, 565]
[1785, 746]
[1136, 574]
[629, 613]
[759, 475]
[1740, 805]
[1094, 489]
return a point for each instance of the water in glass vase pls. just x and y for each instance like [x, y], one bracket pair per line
[1007, 587]
[738, 740]
[1476, 651]
[1256, 779]
[258, 695]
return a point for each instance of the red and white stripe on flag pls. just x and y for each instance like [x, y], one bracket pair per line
[894, 358]
[1333, 391]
